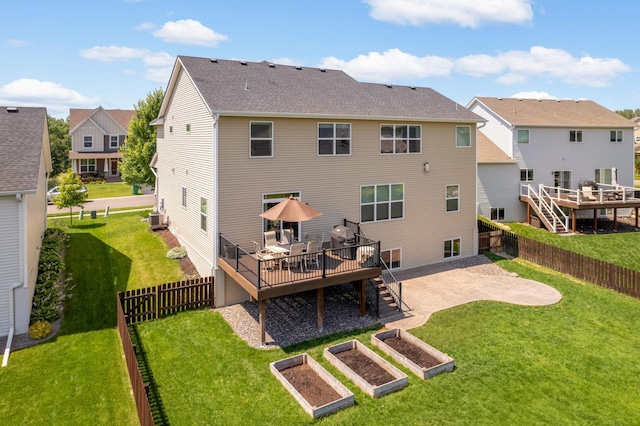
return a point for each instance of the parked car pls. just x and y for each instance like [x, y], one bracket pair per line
[53, 193]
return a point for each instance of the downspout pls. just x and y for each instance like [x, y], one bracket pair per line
[22, 236]
[216, 241]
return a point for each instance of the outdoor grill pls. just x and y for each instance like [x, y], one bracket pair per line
[342, 236]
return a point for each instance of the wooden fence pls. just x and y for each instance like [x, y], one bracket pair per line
[608, 275]
[149, 303]
[144, 304]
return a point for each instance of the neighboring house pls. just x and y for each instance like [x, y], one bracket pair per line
[25, 164]
[558, 143]
[235, 138]
[96, 137]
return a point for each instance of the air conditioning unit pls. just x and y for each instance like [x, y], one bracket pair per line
[155, 220]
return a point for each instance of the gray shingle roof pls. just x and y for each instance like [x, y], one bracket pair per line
[21, 135]
[261, 88]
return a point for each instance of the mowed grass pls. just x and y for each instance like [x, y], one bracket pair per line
[108, 190]
[79, 377]
[621, 249]
[571, 363]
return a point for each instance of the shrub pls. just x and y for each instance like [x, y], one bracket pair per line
[39, 330]
[177, 253]
[47, 297]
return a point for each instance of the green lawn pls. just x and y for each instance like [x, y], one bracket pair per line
[108, 190]
[613, 248]
[571, 363]
[79, 377]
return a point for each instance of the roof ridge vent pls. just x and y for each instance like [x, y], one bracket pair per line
[272, 65]
[243, 62]
[389, 86]
[323, 70]
[213, 60]
[299, 68]
[12, 109]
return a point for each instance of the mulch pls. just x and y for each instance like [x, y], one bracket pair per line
[185, 263]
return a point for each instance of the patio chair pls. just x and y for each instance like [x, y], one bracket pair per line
[312, 253]
[270, 238]
[262, 254]
[587, 193]
[295, 258]
[287, 237]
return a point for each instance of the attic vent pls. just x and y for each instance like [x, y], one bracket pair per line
[299, 68]
[389, 86]
[323, 70]
[243, 62]
[12, 109]
[272, 65]
[213, 61]
[413, 87]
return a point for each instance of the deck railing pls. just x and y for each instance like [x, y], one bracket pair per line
[319, 264]
[604, 193]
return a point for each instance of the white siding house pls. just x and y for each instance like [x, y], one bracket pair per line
[24, 167]
[234, 138]
[558, 143]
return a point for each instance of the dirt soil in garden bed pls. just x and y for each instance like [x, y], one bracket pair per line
[185, 263]
[365, 367]
[412, 352]
[310, 385]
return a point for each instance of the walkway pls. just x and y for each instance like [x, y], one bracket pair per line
[433, 288]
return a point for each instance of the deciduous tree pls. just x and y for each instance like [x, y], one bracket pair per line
[60, 143]
[138, 151]
[69, 194]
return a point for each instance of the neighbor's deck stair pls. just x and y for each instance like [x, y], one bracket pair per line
[548, 211]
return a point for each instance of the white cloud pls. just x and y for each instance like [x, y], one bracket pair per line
[533, 95]
[189, 31]
[57, 98]
[517, 66]
[159, 75]
[113, 53]
[286, 61]
[159, 59]
[145, 26]
[14, 42]
[466, 13]
[391, 65]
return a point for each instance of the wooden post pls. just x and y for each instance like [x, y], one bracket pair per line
[573, 220]
[595, 221]
[528, 213]
[263, 317]
[615, 219]
[363, 297]
[320, 304]
[636, 217]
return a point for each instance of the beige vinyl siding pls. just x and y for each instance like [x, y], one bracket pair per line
[186, 159]
[99, 123]
[9, 255]
[332, 184]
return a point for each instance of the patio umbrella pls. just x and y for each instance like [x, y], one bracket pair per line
[291, 210]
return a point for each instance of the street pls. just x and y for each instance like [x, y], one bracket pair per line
[146, 200]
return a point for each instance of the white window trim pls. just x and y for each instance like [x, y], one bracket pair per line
[85, 141]
[273, 132]
[90, 163]
[451, 240]
[393, 140]
[528, 137]
[617, 132]
[497, 209]
[203, 215]
[578, 132]
[183, 200]
[335, 140]
[111, 141]
[447, 198]
[463, 146]
[390, 264]
[375, 202]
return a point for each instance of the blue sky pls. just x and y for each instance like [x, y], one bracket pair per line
[82, 54]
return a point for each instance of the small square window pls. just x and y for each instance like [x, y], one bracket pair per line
[616, 136]
[526, 175]
[575, 136]
[497, 213]
[523, 136]
[87, 141]
[451, 248]
[392, 258]
[261, 139]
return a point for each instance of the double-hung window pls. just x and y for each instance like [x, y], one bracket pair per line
[261, 139]
[616, 136]
[113, 141]
[452, 198]
[381, 202]
[575, 136]
[87, 165]
[87, 141]
[334, 139]
[463, 136]
[400, 139]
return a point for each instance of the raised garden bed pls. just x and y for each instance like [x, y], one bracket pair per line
[372, 373]
[315, 389]
[423, 360]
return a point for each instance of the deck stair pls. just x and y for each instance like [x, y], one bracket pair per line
[379, 295]
[554, 219]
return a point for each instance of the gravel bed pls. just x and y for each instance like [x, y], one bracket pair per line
[293, 319]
